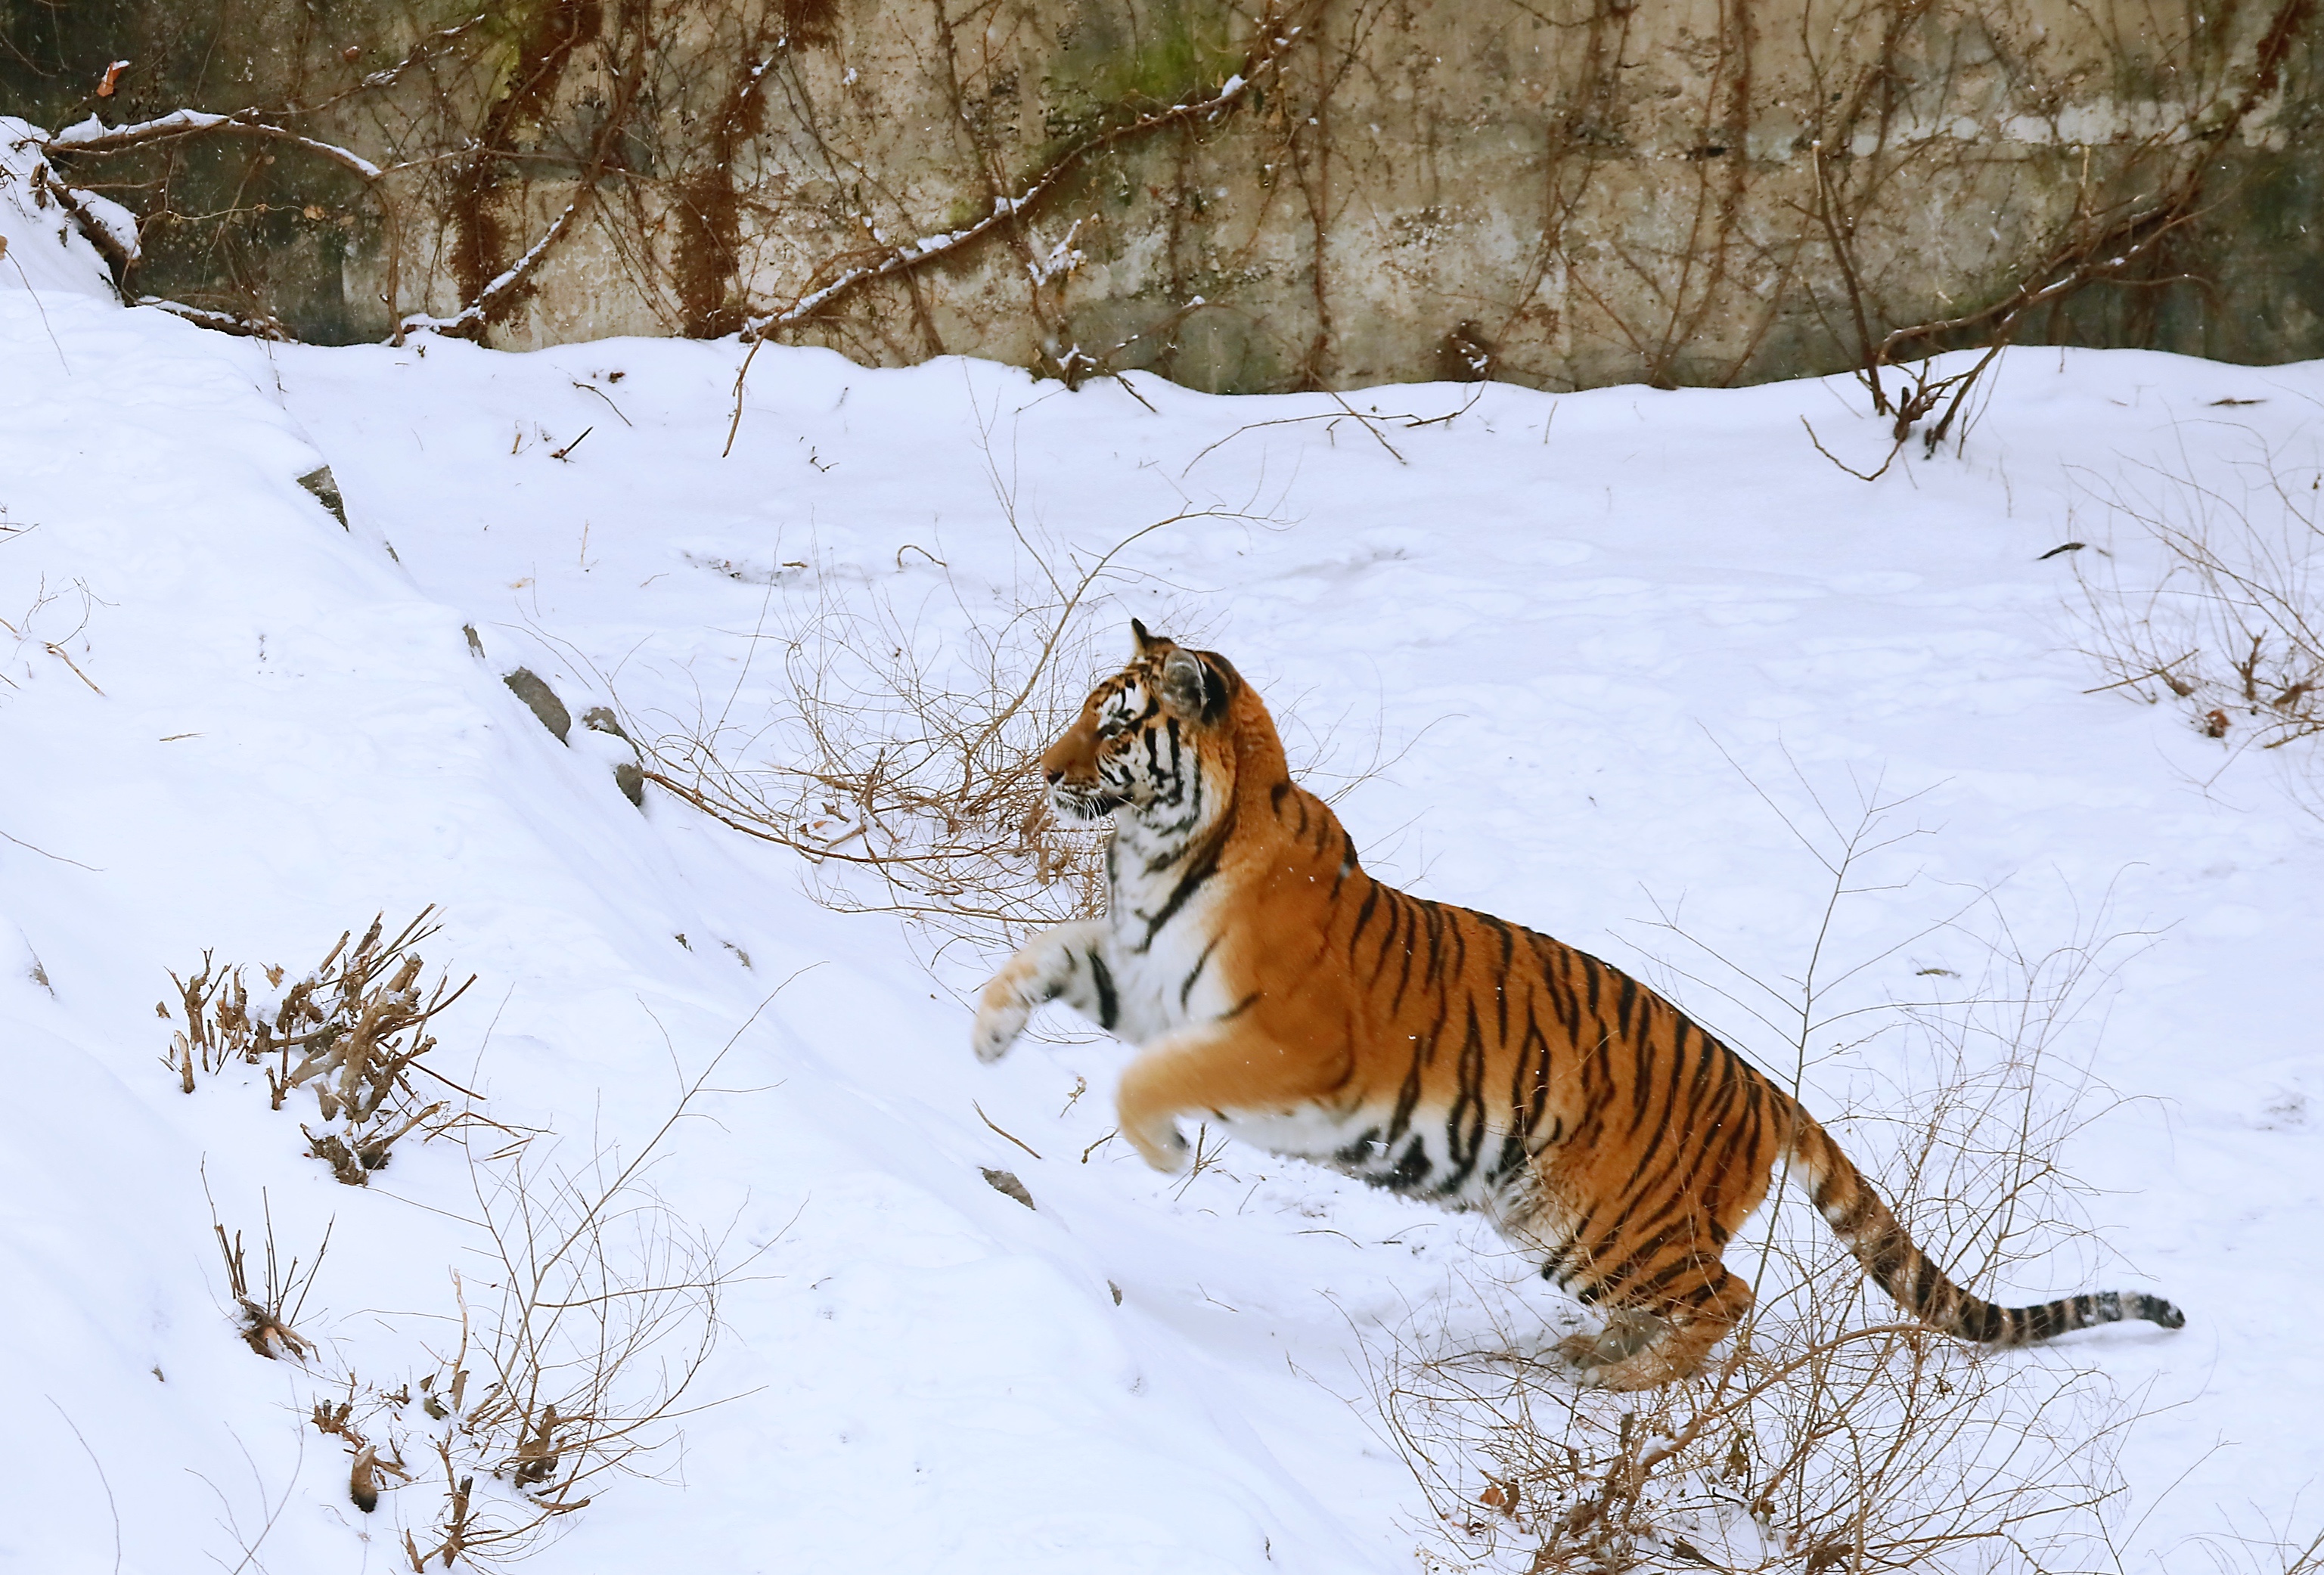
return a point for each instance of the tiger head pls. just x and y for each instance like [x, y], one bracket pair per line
[1155, 739]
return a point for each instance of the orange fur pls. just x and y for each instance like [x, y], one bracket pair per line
[1274, 986]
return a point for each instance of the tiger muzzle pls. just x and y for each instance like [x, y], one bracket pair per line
[1080, 802]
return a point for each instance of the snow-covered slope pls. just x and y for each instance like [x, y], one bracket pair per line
[1591, 630]
[46, 251]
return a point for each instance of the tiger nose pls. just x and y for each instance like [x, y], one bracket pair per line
[1053, 773]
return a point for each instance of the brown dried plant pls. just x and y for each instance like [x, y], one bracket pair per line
[267, 1316]
[904, 762]
[601, 1312]
[357, 1025]
[581, 1339]
[897, 755]
[2272, 1548]
[2119, 242]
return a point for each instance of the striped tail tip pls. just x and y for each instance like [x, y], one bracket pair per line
[2119, 1306]
[1991, 1325]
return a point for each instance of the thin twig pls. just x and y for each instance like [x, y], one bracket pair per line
[989, 1121]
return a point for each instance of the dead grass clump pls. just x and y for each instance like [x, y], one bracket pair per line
[1829, 1435]
[573, 1354]
[357, 1025]
[2231, 625]
[267, 1316]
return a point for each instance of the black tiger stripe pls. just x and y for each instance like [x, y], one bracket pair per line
[1432, 928]
[1407, 1099]
[1109, 1001]
[1187, 989]
[1590, 969]
[1205, 865]
[1465, 1125]
[1404, 976]
[1364, 917]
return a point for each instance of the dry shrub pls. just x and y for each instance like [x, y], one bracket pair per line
[2232, 629]
[584, 1329]
[901, 757]
[2273, 1548]
[904, 762]
[357, 1023]
[580, 1338]
[599, 1311]
[1828, 1434]
[912, 758]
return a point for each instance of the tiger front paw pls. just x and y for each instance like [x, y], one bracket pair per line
[998, 1024]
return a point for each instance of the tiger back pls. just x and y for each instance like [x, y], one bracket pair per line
[1273, 988]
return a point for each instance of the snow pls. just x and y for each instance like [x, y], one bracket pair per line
[120, 224]
[94, 133]
[1601, 639]
[45, 254]
[95, 129]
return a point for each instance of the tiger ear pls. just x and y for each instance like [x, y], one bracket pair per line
[1145, 643]
[1190, 687]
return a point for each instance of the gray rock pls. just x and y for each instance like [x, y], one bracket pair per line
[319, 482]
[528, 686]
[600, 719]
[1008, 1186]
[628, 776]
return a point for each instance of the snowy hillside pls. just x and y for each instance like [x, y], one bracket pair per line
[1586, 653]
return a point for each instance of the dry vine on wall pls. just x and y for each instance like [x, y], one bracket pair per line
[1316, 193]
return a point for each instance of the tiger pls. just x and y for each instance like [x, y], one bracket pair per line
[1275, 987]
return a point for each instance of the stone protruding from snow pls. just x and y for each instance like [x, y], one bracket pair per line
[325, 489]
[528, 686]
[600, 719]
[1006, 1184]
[628, 776]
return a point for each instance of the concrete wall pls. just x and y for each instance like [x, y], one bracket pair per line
[1558, 192]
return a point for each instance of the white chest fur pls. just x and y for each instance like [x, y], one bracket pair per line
[1166, 974]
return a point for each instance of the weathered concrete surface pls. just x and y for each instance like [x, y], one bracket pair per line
[1556, 192]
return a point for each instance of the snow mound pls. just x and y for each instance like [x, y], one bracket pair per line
[45, 249]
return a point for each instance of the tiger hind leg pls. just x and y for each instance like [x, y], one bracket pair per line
[1624, 1334]
[1643, 1347]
